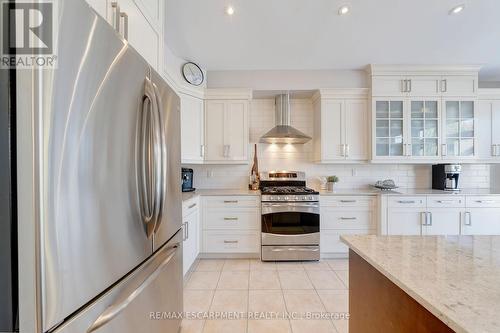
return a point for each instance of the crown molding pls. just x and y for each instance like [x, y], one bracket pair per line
[375, 69]
[228, 93]
[343, 93]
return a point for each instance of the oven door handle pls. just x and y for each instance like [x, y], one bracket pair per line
[279, 208]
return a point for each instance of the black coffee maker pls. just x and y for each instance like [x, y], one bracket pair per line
[187, 180]
[445, 177]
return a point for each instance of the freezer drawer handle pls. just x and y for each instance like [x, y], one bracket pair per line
[114, 310]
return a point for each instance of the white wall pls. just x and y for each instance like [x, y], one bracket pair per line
[288, 80]
[298, 157]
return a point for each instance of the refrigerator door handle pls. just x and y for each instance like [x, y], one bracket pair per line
[144, 174]
[115, 309]
[162, 165]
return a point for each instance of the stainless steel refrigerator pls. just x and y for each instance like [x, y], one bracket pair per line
[101, 147]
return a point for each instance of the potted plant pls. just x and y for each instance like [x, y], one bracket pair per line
[331, 180]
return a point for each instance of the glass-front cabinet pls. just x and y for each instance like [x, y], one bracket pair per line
[424, 128]
[427, 129]
[459, 128]
[406, 128]
[389, 128]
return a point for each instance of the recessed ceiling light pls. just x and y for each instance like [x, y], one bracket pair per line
[457, 9]
[229, 10]
[344, 10]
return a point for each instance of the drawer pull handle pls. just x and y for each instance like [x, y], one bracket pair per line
[230, 219]
[230, 241]
[446, 201]
[485, 201]
[348, 201]
[348, 218]
[192, 206]
[230, 201]
[406, 201]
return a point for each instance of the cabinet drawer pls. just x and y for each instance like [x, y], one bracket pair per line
[231, 218]
[347, 201]
[332, 218]
[446, 202]
[231, 241]
[406, 201]
[232, 201]
[190, 206]
[483, 201]
[330, 240]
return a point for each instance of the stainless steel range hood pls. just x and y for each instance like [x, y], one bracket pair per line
[283, 132]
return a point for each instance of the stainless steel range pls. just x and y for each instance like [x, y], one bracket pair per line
[290, 217]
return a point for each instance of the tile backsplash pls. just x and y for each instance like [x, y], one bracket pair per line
[299, 157]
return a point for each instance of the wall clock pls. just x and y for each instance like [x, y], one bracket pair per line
[192, 73]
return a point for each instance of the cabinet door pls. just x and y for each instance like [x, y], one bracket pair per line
[405, 221]
[423, 85]
[356, 129]
[141, 33]
[332, 130]
[487, 135]
[459, 128]
[458, 85]
[424, 128]
[236, 130]
[481, 221]
[495, 125]
[192, 129]
[389, 128]
[391, 85]
[191, 225]
[443, 221]
[214, 130]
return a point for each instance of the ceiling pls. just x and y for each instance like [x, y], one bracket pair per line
[309, 34]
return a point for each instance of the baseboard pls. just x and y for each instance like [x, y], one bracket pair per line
[229, 255]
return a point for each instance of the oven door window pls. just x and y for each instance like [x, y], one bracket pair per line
[290, 223]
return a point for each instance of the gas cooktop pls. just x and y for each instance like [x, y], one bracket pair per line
[288, 190]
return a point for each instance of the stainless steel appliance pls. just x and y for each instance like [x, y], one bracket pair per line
[445, 177]
[283, 132]
[100, 140]
[187, 180]
[290, 217]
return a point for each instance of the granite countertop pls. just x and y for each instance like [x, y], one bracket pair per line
[188, 195]
[456, 278]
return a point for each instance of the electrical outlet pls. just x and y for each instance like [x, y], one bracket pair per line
[354, 172]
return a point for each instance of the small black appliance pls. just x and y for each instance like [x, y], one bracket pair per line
[187, 180]
[445, 177]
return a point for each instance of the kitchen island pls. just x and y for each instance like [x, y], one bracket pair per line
[424, 284]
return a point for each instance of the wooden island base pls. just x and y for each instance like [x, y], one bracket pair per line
[378, 305]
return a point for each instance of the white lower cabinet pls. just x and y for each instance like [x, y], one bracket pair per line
[231, 224]
[345, 215]
[442, 221]
[443, 215]
[190, 227]
[481, 221]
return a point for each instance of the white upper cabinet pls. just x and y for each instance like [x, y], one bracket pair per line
[424, 114]
[458, 85]
[138, 22]
[214, 130]
[488, 122]
[192, 129]
[341, 129]
[390, 86]
[226, 126]
[140, 31]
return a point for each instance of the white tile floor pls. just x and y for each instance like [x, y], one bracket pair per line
[276, 290]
